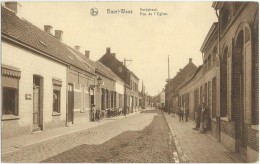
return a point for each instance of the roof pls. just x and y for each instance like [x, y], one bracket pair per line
[23, 32]
[111, 56]
[212, 31]
[107, 71]
[192, 77]
[181, 77]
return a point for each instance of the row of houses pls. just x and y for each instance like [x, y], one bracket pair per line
[228, 80]
[48, 84]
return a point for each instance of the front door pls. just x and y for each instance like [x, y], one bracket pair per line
[37, 103]
[70, 103]
[36, 108]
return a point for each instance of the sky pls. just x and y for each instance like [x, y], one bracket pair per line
[146, 39]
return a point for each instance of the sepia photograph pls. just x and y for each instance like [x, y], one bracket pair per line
[130, 82]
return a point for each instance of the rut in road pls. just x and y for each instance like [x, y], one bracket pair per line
[148, 145]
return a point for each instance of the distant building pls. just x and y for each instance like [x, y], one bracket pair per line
[171, 88]
[132, 97]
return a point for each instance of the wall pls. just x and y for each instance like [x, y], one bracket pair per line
[30, 64]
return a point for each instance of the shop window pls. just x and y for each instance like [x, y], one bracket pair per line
[10, 89]
[10, 101]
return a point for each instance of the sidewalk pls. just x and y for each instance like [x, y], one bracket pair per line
[193, 146]
[16, 143]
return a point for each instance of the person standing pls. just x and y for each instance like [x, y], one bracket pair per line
[197, 117]
[204, 118]
[93, 111]
[182, 113]
[186, 113]
[179, 113]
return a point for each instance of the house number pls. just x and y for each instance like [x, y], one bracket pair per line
[28, 96]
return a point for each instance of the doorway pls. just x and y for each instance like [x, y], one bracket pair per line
[239, 89]
[70, 103]
[37, 103]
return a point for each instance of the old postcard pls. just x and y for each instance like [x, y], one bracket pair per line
[130, 82]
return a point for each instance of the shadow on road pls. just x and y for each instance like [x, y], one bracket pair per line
[148, 145]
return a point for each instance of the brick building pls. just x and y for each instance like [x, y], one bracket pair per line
[131, 80]
[112, 88]
[238, 70]
[172, 86]
[228, 80]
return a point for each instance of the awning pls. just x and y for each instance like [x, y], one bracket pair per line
[10, 71]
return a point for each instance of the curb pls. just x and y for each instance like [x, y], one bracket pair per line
[180, 156]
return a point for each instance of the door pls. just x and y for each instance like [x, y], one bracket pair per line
[36, 107]
[70, 103]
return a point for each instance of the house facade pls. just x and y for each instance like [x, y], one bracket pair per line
[238, 53]
[172, 86]
[45, 83]
[34, 96]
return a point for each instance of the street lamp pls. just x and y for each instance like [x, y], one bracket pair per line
[99, 81]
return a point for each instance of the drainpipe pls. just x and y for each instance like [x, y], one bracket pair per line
[218, 118]
[66, 83]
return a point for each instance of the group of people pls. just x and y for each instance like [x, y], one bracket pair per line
[97, 114]
[202, 118]
[183, 112]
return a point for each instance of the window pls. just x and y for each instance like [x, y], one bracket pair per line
[10, 101]
[10, 89]
[209, 61]
[56, 101]
[56, 96]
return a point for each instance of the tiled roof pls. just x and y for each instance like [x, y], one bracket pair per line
[107, 71]
[119, 62]
[26, 33]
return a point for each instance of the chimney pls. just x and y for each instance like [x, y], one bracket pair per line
[190, 60]
[113, 54]
[15, 7]
[48, 28]
[108, 50]
[87, 53]
[77, 48]
[58, 34]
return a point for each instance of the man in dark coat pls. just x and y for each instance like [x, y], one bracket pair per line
[197, 117]
[204, 118]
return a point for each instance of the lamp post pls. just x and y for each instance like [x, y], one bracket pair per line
[99, 80]
[125, 60]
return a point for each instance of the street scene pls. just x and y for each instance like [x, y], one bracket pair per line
[130, 82]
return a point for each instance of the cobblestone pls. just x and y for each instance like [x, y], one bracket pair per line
[140, 138]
